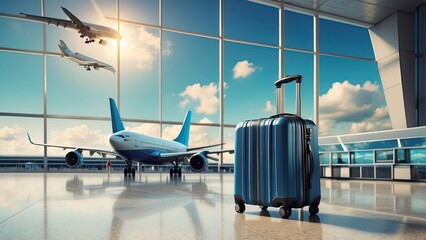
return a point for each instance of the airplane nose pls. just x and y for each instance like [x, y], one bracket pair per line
[113, 140]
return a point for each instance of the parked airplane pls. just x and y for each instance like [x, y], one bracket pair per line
[89, 30]
[131, 146]
[83, 60]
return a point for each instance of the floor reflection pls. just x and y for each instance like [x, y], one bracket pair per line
[143, 197]
[397, 198]
[198, 206]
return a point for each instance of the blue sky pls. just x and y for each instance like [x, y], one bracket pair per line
[190, 68]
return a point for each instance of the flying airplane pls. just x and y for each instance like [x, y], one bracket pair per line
[131, 146]
[83, 60]
[89, 30]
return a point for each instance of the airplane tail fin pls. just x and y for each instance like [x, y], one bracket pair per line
[63, 47]
[183, 136]
[117, 124]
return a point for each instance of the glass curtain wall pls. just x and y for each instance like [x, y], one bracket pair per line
[177, 56]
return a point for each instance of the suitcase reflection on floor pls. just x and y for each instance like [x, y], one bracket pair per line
[252, 225]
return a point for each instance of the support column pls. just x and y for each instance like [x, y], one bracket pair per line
[393, 45]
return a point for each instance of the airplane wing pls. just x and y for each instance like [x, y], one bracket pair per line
[79, 24]
[97, 65]
[55, 21]
[92, 151]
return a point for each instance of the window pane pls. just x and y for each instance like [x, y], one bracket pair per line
[229, 138]
[418, 155]
[351, 97]
[199, 135]
[190, 79]
[143, 11]
[192, 16]
[298, 31]
[411, 155]
[330, 148]
[151, 129]
[250, 73]
[82, 133]
[372, 145]
[344, 39]
[384, 156]
[139, 81]
[21, 34]
[340, 158]
[21, 91]
[89, 12]
[72, 90]
[362, 157]
[413, 142]
[297, 63]
[18, 6]
[324, 158]
[243, 17]
[13, 137]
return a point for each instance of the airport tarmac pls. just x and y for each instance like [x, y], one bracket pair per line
[198, 206]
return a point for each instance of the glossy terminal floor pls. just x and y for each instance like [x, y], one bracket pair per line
[198, 206]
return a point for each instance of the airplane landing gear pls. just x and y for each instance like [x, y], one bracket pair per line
[175, 170]
[129, 170]
[89, 40]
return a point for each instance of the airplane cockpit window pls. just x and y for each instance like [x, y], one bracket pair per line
[120, 136]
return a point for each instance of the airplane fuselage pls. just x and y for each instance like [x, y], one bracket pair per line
[83, 60]
[143, 148]
[98, 31]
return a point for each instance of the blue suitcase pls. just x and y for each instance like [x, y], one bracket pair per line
[276, 160]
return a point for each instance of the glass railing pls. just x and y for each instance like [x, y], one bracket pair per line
[386, 155]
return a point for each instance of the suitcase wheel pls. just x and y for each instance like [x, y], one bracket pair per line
[240, 207]
[313, 209]
[285, 212]
[263, 208]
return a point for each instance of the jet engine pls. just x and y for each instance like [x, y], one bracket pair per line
[74, 159]
[198, 162]
[102, 42]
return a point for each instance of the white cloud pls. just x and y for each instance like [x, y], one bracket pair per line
[269, 107]
[324, 127]
[362, 127]
[243, 69]
[10, 133]
[347, 102]
[141, 46]
[208, 102]
[206, 120]
[198, 136]
[168, 50]
[14, 141]
[361, 107]
[381, 113]
[184, 102]
[79, 136]
[150, 129]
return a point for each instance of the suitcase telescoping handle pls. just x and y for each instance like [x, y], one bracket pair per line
[280, 92]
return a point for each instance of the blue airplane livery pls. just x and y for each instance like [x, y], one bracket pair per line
[135, 147]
